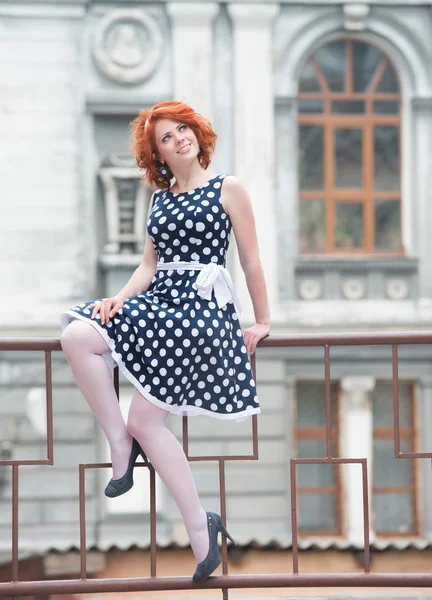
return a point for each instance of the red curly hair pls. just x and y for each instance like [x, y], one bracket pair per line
[143, 144]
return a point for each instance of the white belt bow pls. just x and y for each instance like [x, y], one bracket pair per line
[212, 277]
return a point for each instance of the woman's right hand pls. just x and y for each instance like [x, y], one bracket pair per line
[107, 308]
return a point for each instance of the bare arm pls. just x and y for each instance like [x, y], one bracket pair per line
[143, 274]
[237, 204]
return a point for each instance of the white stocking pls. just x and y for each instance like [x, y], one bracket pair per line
[83, 347]
[146, 422]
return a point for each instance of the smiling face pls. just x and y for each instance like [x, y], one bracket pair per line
[176, 143]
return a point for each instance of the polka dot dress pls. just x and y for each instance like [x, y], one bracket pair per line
[182, 352]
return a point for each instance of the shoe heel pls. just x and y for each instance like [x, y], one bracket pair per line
[224, 532]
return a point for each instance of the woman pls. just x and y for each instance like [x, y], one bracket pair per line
[173, 329]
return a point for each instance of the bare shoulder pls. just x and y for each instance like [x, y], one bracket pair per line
[233, 192]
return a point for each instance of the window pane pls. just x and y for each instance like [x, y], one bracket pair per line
[382, 405]
[308, 80]
[316, 512]
[311, 106]
[311, 403]
[348, 107]
[331, 59]
[388, 471]
[312, 226]
[386, 148]
[387, 225]
[314, 475]
[366, 59]
[384, 107]
[311, 167]
[389, 82]
[349, 158]
[393, 513]
[349, 225]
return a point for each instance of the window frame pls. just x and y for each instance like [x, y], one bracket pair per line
[314, 433]
[331, 122]
[406, 433]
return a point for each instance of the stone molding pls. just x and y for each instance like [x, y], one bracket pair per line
[356, 391]
[253, 15]
[190, 13]
[129, 60]
[120, 167]
[72, 10]
[355, 16]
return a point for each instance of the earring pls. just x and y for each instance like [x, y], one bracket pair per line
[163, 170]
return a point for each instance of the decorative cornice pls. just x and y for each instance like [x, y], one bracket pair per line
[355, 16]
[120, 103]
[49, 9]
[253, 15]
[190, 13]
[397, 264]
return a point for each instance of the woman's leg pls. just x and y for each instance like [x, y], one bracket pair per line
[83, 346]
[146, 423]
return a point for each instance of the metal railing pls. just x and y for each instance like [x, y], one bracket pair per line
[224, 582]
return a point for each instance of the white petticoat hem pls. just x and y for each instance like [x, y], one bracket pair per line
[114, 359]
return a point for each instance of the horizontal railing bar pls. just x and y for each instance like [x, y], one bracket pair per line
[272, 341]
[328, 461]
[147, 584]
[36, 343]
[31, 463]
[346, 339]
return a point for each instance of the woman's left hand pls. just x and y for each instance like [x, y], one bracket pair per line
[254, 334]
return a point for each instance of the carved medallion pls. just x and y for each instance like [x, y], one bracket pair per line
[397, 289]
[127, 45]
[354, 288]
[310, 289]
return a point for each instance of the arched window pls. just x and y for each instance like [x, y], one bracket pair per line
[349, 152]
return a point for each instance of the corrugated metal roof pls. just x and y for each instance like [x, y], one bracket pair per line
[310, 544]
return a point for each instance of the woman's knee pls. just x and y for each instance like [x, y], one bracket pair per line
[144, 416]
[74, 336]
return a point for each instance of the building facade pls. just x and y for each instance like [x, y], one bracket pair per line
[324, 111]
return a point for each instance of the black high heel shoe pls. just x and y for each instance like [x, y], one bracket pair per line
[117, 487]
[213, 559]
